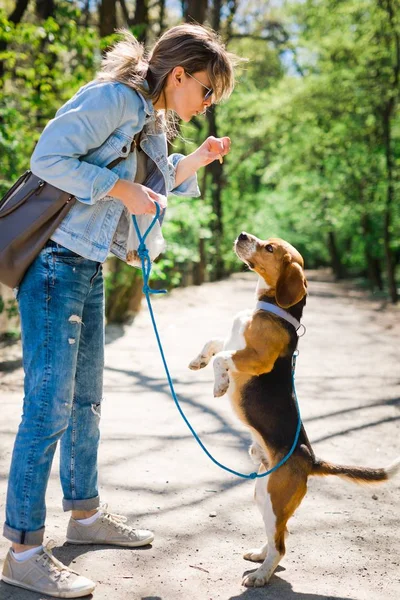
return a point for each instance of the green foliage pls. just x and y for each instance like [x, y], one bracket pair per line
[44, 65]
[10, 307]
[187, 221]
[308, 161]
[308, 156]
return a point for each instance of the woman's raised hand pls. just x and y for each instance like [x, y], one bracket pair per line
[212, 149]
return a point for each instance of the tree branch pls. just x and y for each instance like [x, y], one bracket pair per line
[125, 12]
[18, 11]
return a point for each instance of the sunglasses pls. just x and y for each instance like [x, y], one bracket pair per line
[209, 92]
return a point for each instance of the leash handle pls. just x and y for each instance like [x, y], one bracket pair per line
[144, 256]
[143, 253]
[142, 238]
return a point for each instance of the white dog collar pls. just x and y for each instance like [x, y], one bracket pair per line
[279, 312]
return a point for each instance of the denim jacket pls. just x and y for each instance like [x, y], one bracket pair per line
[93, 128]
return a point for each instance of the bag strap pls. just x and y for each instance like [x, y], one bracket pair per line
[135, 144]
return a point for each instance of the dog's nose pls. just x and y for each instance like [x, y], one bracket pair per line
[243, 236]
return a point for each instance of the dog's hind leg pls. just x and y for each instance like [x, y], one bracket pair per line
[210, 349]
[260, 493]
[269, 553]
[284, 491]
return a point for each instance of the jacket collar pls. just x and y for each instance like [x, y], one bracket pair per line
[147, 102]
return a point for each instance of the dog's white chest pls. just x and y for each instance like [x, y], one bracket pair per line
[236, 341]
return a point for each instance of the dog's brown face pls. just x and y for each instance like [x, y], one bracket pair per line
[278, 263]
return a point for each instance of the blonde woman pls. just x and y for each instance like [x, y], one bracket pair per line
[61, 298]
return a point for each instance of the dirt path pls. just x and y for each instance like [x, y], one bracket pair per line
[344, 541]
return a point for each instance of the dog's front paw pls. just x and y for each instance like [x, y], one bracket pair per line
[256, 579]
[256, 554]
[198, 363]
[221, 385]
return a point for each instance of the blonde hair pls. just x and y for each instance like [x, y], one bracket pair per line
[193, 47]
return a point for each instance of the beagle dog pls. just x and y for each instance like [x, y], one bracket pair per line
[254, 366]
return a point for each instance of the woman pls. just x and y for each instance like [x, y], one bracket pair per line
[61, 298]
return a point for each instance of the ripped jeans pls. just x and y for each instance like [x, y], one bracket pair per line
[61, 304]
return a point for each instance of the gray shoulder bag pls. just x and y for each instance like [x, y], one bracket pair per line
[29, 214]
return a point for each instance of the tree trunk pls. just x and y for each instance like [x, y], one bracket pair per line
[44, 8]
[372, 263]
[215, 168]
[195, 10]
[125, 12]
[232, 6]
[216, 15]
[161, 18]
[107, 17]
[86, 14]
[336, 263]
[199, 269]
[18, 12]
[125, 295]
[217, 226]
[141, 20]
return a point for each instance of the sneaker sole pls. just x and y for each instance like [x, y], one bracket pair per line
[145, 542]
[72, 594]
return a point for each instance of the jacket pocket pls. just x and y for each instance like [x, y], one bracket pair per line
[120, 142]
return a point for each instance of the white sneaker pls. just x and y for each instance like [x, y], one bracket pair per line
[43, 573]
[108, 529]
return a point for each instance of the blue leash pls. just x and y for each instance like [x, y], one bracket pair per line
[143, 254]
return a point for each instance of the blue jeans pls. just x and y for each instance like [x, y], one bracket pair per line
[61, 304]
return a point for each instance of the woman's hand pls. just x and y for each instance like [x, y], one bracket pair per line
[212, 149]
[138, 199]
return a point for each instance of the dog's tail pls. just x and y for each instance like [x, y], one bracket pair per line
[356, 474]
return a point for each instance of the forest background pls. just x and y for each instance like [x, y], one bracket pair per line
[314, 122]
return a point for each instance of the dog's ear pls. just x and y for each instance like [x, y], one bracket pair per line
[291, 286]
